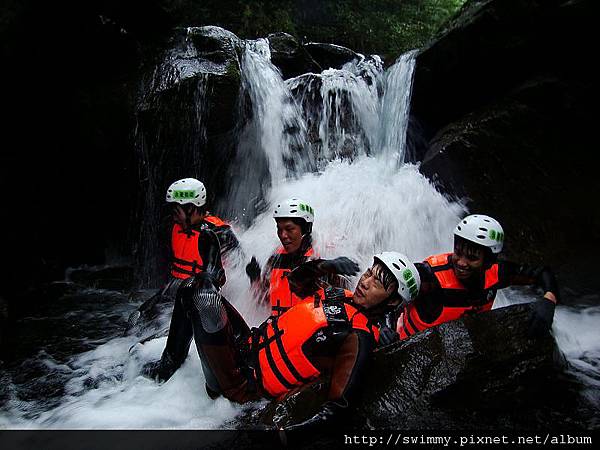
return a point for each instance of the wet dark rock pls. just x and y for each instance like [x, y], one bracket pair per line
[289, 56]
[117, 278]
[188, 120]
[330, 55]
[307, 91]
[481, 369]
[502, 102]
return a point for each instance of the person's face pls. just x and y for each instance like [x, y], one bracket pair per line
[467, 260]
[180, 212]
[290, 234]
[370, 291]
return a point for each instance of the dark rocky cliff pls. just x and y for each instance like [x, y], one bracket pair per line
[503, 102]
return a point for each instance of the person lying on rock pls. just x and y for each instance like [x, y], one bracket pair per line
[190, 222]
[466, 280]
[294, 218]
[329, 333]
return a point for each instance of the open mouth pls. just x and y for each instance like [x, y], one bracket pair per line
[462, 272]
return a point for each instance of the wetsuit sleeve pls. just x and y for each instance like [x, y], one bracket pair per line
[513, 274]
[208, 252]
[350, 364]
[429, 282]
[227, 239]
[429, 303]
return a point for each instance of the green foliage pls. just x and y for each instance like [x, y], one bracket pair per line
[388, 27]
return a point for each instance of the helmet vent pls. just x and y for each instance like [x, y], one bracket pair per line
[481, 236]
[396, 266]
[465, 222]
[459, 228]
[402, 262]
[294, 211]
[483, 229]
[486, 220]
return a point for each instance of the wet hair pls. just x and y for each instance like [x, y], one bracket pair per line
[472, 248]
[385, 277]
[305, 226]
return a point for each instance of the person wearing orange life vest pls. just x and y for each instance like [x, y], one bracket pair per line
[331, 333]
[466, 281]
[190, 221]
[294, 218]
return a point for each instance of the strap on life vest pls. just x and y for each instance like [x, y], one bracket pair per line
[281, 362]
[281, 296]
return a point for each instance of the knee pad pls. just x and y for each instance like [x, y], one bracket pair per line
[205, 307]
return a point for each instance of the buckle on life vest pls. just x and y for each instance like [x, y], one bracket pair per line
[334, 309]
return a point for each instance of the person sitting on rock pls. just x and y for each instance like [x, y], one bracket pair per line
[294, 218]
[190, 222]
[329, 333]
[466, 281]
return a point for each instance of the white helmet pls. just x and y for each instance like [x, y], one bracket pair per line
[482, 230]
[405, 272]
[187, 190]
[294, 207]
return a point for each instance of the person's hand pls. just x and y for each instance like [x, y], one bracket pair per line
[304, 279]
[253, 270]
[340, 266]
[329, 412]
[387, 336]
[541, 320]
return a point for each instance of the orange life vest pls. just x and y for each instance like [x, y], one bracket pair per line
[186, 259]
[410, 322]
[282, 364]
[280, 294]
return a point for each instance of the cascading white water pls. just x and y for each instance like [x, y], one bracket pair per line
[393, 124]
[274, 110]
[363, 205]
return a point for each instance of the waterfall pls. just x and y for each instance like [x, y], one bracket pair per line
[393, 124]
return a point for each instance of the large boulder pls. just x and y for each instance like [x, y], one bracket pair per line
[502, 102]
[330, 56]
[289, 56]
[187, 116]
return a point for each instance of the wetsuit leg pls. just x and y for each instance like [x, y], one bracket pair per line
[178, 344]
[215, 341]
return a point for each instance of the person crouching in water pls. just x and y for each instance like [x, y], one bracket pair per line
[329, 333]
[190, 220]
[294, 218]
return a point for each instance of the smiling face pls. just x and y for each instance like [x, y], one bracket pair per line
[289, 233]
[370, 290]
[467, 259]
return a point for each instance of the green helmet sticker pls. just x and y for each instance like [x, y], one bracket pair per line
[407, 275]
[496, 235]
[183, 194]
[306, 208]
